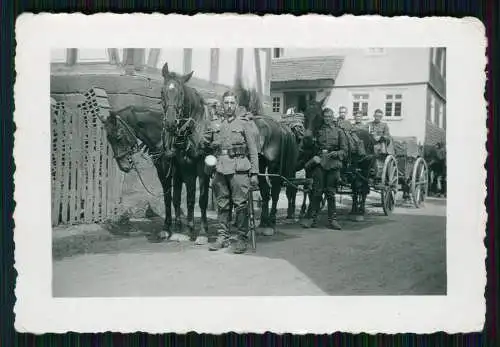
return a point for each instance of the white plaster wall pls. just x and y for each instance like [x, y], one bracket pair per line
[395, 65]
[412, 122]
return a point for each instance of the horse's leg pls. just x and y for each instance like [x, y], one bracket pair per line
[365, 190]
[166, 182]
[204, 181]
[275, 195]
[177, 185]
[190, 180]
[354, 205]
[264, 193]
[303, 208]
[291, 194]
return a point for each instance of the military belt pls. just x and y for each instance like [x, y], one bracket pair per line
[237, 151]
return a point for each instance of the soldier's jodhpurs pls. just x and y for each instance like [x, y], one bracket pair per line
[227, 188]
[324, 181]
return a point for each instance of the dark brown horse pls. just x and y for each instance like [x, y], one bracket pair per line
[185, 120]
[435, 156]
[123, 130]
[359, 163]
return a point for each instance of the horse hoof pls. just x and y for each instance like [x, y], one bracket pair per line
[177, 237]
[267, 231]
[201, 240]
[157, 238]
[359, 218]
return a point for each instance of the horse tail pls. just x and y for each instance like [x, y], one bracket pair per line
[289, 154]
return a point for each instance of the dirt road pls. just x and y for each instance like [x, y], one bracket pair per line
[403, 254]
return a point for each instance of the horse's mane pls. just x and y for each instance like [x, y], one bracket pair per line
[195, 106]
[198, 111]
[249, 98]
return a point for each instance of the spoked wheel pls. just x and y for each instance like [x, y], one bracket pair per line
[419, 182]
[389, 182]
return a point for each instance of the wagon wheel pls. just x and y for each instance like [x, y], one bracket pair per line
[390, 176]
[419, 182]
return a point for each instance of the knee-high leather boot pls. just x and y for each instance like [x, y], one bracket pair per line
[315, 207]
[332, 214]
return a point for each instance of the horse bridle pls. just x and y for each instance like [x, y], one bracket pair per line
[178, 131]
[134, 148]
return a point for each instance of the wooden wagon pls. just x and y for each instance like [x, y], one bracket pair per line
[404, 169]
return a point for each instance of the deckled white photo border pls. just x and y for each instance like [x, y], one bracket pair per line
[461, 310]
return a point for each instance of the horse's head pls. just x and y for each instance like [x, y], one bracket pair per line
[122, 140]
[172, 96]
[313, 117]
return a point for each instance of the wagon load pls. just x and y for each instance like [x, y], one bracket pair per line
[294, 121]
[406, 147]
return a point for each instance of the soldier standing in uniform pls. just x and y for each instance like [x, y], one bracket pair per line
[331, 144]
[380, 132]
[237, 168]
[343, 123]
[358, 121]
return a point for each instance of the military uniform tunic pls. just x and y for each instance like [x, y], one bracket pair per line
[236, 152]
[359, 126]
[331, 146]
[344, 124]
[378, 129]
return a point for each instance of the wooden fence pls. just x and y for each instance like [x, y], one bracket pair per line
[86, 181]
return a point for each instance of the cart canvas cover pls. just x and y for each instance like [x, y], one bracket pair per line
[406, 146]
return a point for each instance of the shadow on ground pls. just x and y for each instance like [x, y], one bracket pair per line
[401, 254]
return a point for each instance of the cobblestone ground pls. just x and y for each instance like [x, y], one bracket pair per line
[402, 254]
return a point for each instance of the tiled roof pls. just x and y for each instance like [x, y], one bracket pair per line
[312, 68]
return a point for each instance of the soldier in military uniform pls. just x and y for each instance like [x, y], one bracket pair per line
[237, 168]
[380, 132]
[329, 116]
[342, 122]
[358, 121]
[331, 145]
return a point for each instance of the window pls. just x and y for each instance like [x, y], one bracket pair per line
[434, 55]
[375, 51]
[277, 104]
[360, 102]
[393, 105]
[432, 113]
[441, 116]
[278, 52]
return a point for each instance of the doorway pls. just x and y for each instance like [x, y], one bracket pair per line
[299, 99]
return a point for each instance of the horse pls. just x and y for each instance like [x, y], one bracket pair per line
[127, 130]
[435, 155]
[358, 167]
[185, 121]
[278, 154]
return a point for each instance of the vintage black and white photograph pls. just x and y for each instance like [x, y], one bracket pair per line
[306, 176]
[300, 171]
